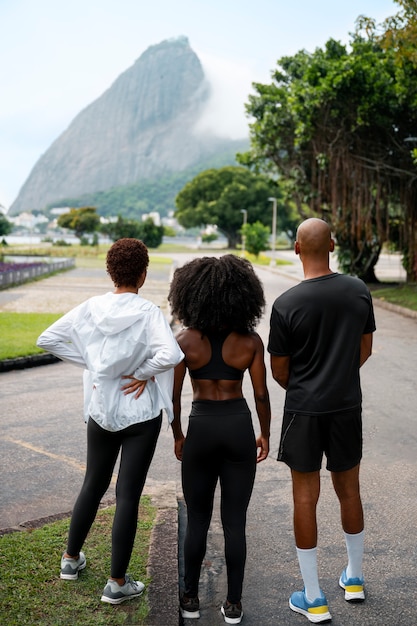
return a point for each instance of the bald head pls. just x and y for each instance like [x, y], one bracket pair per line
[314, 238]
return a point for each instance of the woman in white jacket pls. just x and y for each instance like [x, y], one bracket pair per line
[127, 350]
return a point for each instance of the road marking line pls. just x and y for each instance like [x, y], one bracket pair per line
[51, 455]
[57, 457]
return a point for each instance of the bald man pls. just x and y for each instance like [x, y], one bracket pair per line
[320, 335]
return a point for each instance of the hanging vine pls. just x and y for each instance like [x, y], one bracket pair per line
[338, 126]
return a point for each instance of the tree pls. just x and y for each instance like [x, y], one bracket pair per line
[209, 237]
[218, 196]
[399, 36]
[256, 237]
[6, 227]
[150, 233]
[82, 221]
[121, 228]
[146, 231]
[332, 125]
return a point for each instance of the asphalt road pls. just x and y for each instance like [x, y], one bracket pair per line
[42, 456]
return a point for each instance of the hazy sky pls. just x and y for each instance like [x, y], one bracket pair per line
[57, 56]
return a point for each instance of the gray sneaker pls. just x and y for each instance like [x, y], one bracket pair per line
[115, 593]
[71, 567]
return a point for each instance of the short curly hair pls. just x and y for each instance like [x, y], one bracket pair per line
[211, 293]
[126, 261]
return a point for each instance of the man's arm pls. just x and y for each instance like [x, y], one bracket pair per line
[280, 366]
[366, 348]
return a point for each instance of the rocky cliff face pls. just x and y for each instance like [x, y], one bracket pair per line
[140, 128]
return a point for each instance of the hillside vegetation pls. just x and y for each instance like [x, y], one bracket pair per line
[132, 201]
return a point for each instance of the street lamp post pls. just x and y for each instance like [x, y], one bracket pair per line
[274, 227]
[245, 220]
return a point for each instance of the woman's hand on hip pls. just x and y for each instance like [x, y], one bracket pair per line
[133, 386]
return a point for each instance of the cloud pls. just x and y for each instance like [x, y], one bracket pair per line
[230, 83]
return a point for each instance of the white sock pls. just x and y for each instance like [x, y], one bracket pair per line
[354, 546]
[307, 560]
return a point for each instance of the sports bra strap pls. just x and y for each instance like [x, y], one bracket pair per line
[216, 368]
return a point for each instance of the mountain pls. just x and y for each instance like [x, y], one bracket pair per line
[142, 128]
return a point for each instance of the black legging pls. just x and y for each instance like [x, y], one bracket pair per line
[220, 444]
[137, 443]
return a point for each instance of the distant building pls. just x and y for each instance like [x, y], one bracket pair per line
[60, 210]
[154, 215]
[28, 220]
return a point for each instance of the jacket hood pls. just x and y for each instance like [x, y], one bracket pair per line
[113, 313]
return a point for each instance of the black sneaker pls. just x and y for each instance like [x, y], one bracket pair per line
[232, 613]
[189, 607]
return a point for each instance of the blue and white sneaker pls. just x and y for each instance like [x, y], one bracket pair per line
[354, 591]
[316, 612]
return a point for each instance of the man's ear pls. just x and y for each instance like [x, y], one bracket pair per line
[331, 247]
[297, 247]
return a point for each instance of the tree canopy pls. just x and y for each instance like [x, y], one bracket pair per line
[6, 227]
[218, 196]
[82, 221]
[147, 231]
[336, 126]
[256, 237]
[121, 228]
[150, 233]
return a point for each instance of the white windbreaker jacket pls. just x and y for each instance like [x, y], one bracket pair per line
[114, 335]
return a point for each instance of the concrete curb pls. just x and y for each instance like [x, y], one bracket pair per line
[25, 362]
[395, 308]
[163, 555]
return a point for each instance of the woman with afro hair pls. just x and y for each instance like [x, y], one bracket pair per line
[128, 353]
[219, 302]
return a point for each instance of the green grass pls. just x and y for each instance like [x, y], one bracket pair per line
[81, 252]
[46, 249]
[33, 593]
[99, 261]
[404, 295]
[262, 259]
[19, 331]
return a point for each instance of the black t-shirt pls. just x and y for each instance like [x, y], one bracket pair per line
[319, 324]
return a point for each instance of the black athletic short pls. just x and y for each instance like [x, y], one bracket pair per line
[304, 439]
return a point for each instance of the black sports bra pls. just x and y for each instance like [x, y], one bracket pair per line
[216, 368]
